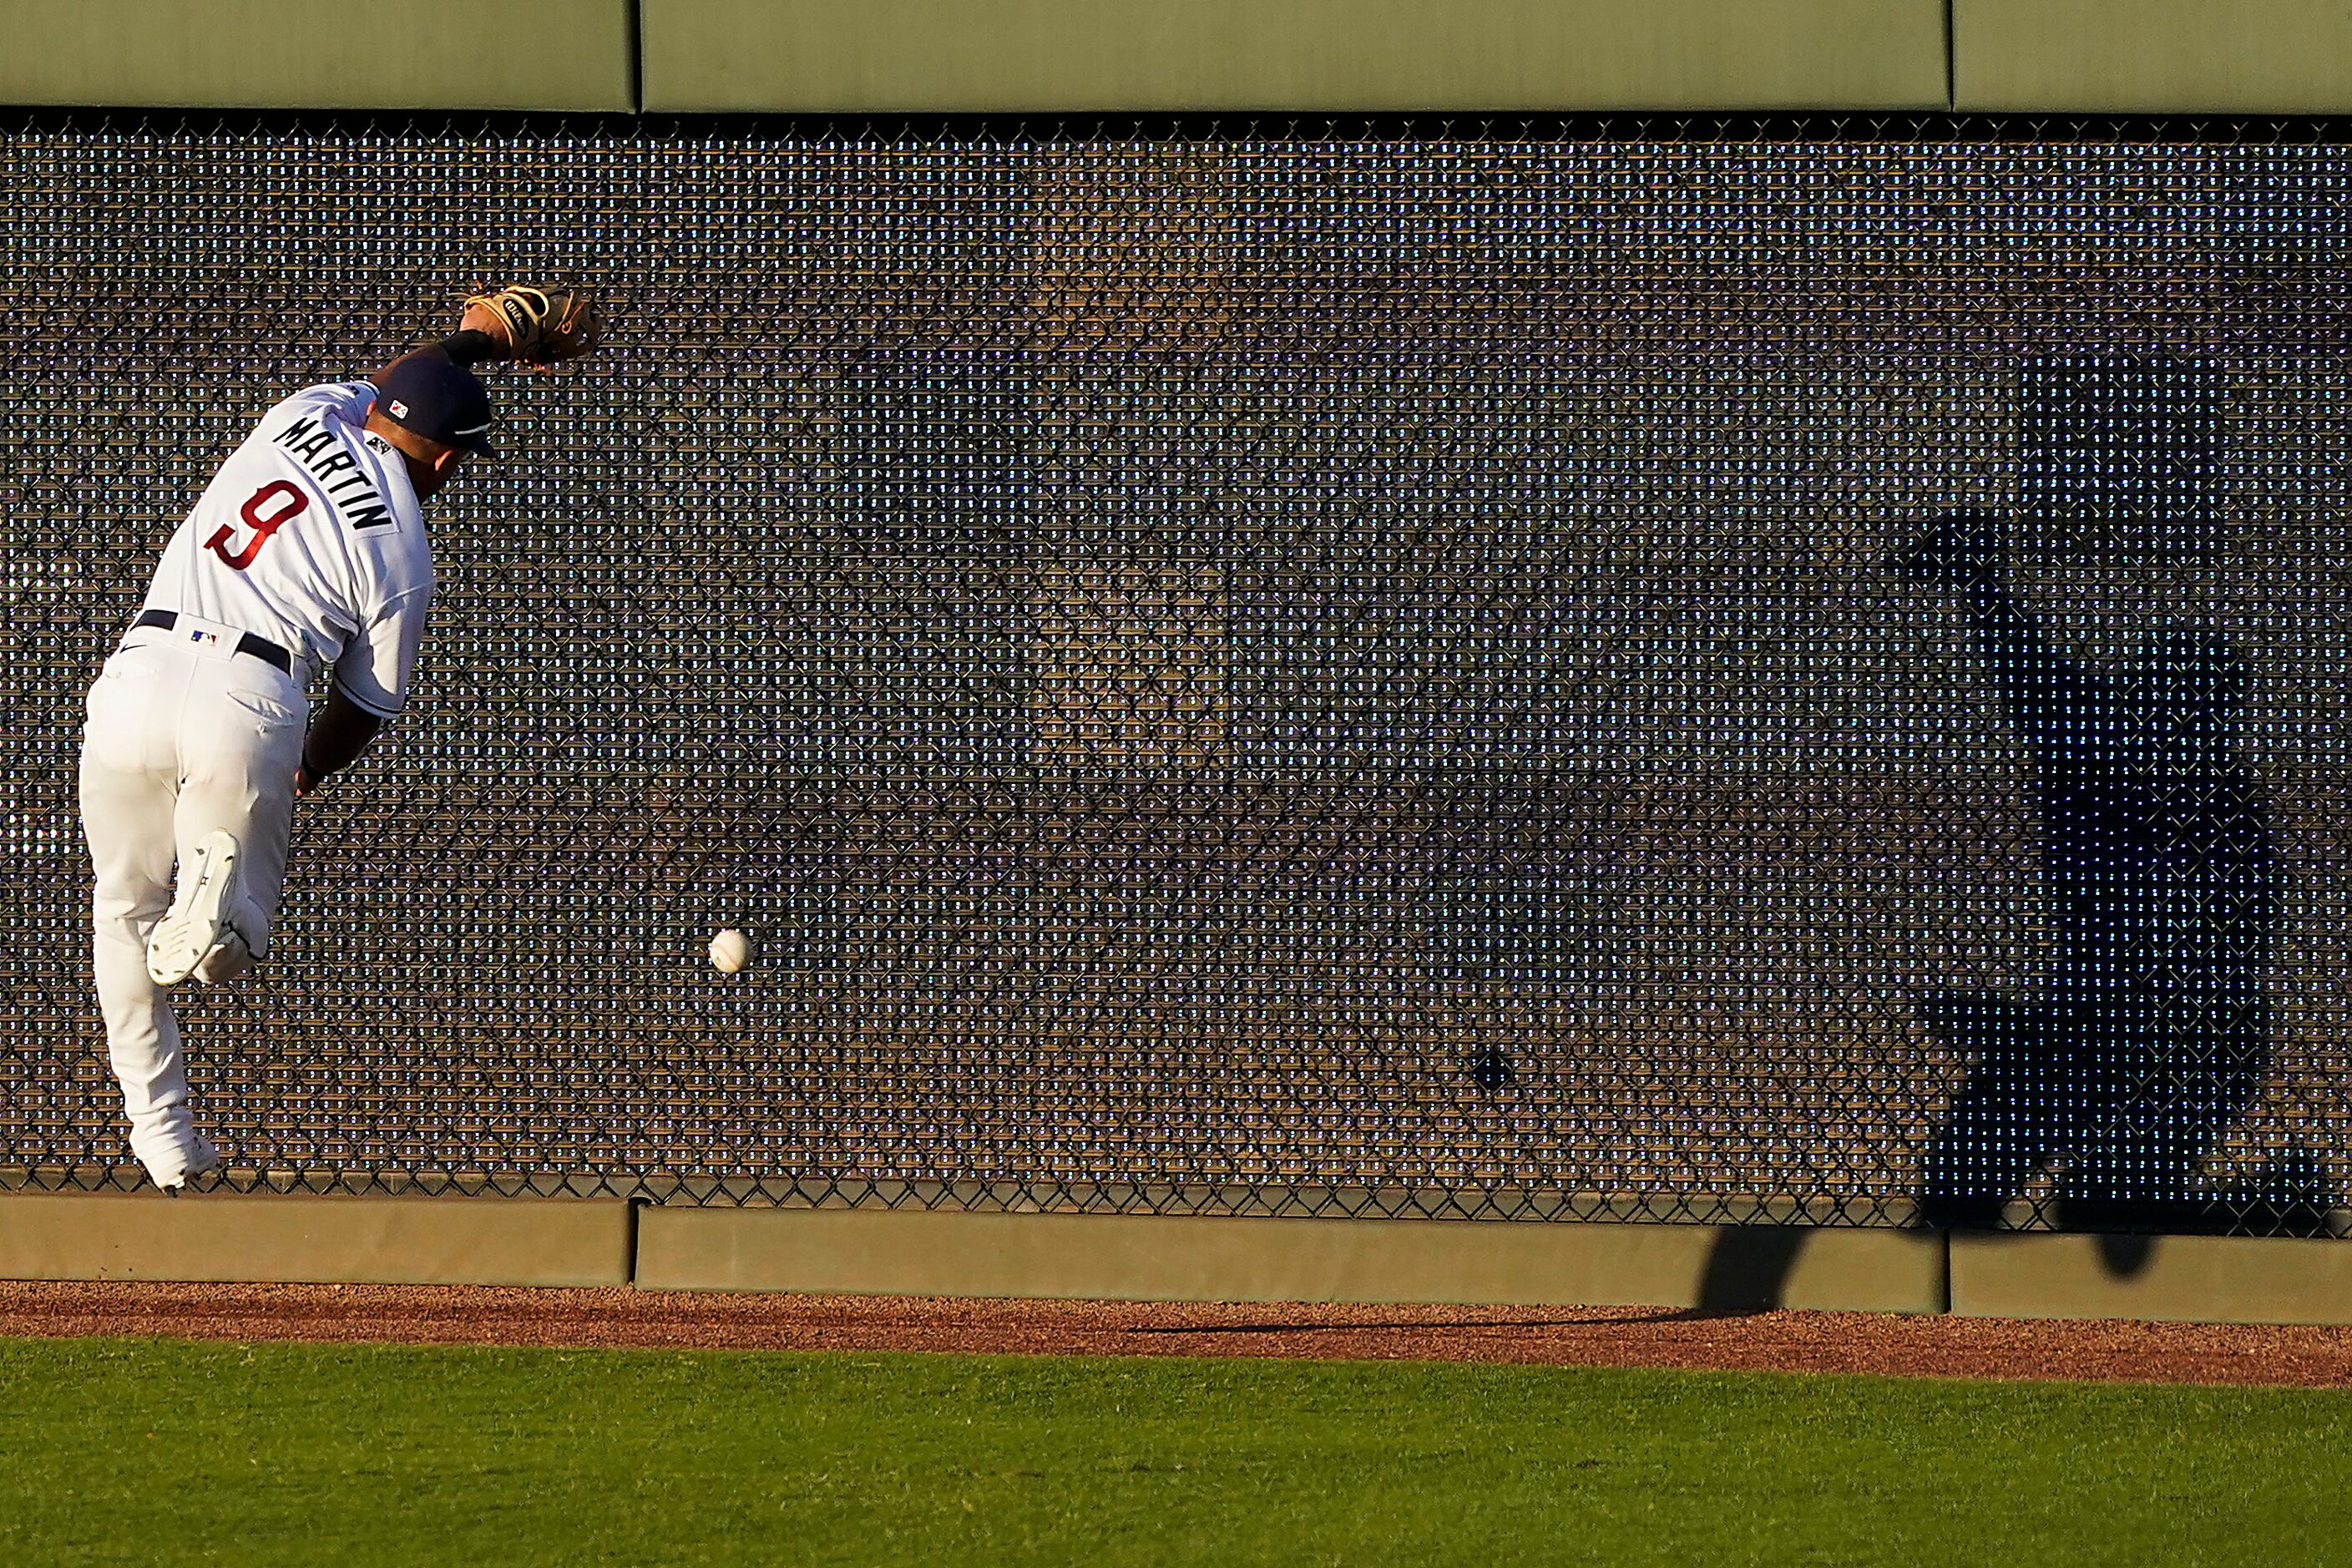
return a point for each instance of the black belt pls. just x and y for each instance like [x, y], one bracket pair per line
[262, 648]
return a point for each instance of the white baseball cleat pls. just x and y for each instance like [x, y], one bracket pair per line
[203, 1160]
[197, 920]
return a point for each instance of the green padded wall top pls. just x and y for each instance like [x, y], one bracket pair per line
[2286, 56]
[2153, 56]
[954, 56]
[571, 55]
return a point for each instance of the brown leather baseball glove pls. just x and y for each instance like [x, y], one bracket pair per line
[542, 327]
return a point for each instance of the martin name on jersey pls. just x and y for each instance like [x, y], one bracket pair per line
[337, 471]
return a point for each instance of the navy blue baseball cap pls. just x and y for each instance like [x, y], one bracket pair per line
[440, 401]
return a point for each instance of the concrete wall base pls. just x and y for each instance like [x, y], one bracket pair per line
[2177, 1278]
[543, 1241]
[1224, 1258]
[274, 1238]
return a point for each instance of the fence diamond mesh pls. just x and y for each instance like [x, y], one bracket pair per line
[1255, 672]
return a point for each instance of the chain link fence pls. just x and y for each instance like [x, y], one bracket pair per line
[1233, 668]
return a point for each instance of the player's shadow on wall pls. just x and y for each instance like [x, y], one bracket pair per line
[2148, 1039]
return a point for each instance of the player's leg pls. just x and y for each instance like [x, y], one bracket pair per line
[129, 774]
[2003, 1125]
[239, 745]
[194, 937]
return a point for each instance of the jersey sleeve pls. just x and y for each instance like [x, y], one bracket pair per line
[374, 670]
[348, 401]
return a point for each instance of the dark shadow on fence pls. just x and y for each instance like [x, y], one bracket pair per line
[2146, 1041]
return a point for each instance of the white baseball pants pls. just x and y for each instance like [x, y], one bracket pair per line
[185, 735]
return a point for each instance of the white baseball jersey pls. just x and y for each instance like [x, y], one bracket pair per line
[310, 536]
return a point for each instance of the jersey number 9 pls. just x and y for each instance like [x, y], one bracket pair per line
[267, 511]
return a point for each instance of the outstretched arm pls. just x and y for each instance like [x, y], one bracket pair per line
[537, 327]
[481, 336]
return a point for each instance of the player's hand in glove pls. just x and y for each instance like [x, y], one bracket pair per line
[541, 327]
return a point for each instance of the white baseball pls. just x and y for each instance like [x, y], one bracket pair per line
[730, 950]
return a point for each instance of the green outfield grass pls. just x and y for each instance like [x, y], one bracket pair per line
[126, 1452]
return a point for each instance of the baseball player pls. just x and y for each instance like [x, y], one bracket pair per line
[307, 553]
